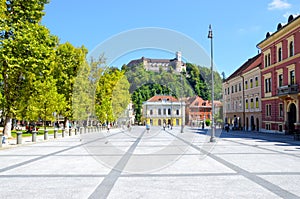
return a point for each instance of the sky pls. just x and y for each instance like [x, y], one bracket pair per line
[238, 26]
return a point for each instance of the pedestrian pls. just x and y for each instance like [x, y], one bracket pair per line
[147, 128]
[164, 126]
[108, 127]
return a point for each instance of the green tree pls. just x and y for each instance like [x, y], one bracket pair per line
[26, 54]
[111, 89]
[45, 101]
[69, 60]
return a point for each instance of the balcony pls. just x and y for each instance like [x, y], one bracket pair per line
[287, 90]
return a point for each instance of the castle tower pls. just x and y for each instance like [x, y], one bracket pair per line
[178, 56]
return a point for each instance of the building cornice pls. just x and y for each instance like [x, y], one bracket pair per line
[280, 34]
[281, 62]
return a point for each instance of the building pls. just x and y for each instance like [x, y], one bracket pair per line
[280, 76]
[128, 116]
[252, 94]
[241, 96]
[197, 111]
[162, 109]
[155, 65]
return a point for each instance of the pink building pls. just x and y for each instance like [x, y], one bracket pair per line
[280, 78]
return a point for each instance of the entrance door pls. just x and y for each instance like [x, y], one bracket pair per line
[292, 118]
[257, 124]
[252, 125]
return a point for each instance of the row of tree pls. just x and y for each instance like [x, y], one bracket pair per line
[39, 76]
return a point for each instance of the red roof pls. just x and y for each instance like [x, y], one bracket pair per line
[159, 98]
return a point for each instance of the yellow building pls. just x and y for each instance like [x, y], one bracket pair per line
[162, 109]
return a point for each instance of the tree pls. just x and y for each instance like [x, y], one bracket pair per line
[26, 54]
[69, 60]
[45, 101]
[112, 88]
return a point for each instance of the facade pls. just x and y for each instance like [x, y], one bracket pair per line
[280, 76]
[197, 111]
[240, 92]
[128, 117]
[162, 109]
[252, 95]
[155, 65]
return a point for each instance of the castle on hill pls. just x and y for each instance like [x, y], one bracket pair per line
[155, 65]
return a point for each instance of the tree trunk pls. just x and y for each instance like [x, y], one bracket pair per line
[7, 126]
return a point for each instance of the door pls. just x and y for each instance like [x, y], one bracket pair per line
[292, 118]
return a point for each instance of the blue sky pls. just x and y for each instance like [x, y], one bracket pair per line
[238, 26]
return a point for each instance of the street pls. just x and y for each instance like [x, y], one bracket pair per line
[134, 163]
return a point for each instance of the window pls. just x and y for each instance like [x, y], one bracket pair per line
[251, 83]
[280, 110]
[292, 77]
[268, 126]
[291, 48]
[177, 112]
[268, 85]
[228, 91]
[280, 128]
[246, 84]
[159, 111]
[235, 88]
[232, 91]
[169, 111]
[225, 92]
[266, 61]
[151, 112]
[280, 80]
[240, 87]
[256, 102]
[256, 81]
[246, 103]
[165, 111]
[268, 110]
[279, 54]
[251, 103]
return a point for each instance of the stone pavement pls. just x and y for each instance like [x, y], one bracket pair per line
[157, 164]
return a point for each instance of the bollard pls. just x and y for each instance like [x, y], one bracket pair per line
[63, 133]
[46, 135]
[1, 137]
[19, 137]
[33, 136]
[55, 133]
[70, 131]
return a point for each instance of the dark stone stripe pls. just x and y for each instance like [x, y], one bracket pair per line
[258, 180]
[105, 187]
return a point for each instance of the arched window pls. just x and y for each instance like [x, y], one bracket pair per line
[159, 111]
[279, 54]
[291, 48]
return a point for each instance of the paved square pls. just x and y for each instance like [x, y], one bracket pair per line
[155, 164]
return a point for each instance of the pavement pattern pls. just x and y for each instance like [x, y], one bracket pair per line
[134, 163]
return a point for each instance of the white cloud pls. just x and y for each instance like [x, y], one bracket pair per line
[279, 5]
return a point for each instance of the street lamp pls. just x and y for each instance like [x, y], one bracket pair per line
[210, 36]
[181, 106]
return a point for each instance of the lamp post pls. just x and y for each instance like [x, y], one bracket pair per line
[181, 106]
[212, 135]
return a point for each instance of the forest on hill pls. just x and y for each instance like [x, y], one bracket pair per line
[196, 80]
